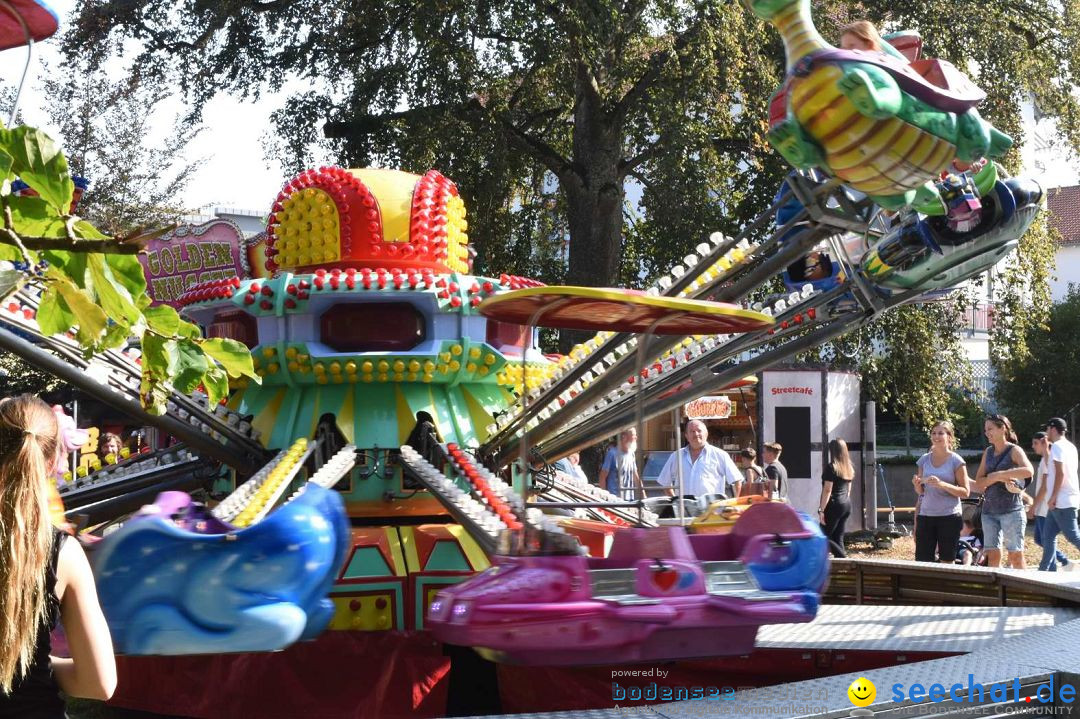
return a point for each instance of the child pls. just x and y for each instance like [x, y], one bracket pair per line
[970, 544]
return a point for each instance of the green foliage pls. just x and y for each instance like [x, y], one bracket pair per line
[911, 360]
[18, 377]
[110, 130]
[597, 143]
[92, 285]
[1046, 382]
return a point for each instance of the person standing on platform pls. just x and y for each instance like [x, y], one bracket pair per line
[1003, 473]
[1061, 506]
[775, 471]
[45, 577]
[834, 507]
[706, 469]
[619, 473]
[941, 481]
[1036, 513]
[755, 483]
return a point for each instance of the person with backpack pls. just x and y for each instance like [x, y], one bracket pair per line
[1004, 471]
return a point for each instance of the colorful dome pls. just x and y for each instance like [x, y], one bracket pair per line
[336, 218]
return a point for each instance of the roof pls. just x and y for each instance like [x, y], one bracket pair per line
[1064, 204]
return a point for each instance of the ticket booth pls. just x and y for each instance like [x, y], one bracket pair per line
[802, 409]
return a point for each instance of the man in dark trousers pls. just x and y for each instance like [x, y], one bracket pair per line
[774, 470]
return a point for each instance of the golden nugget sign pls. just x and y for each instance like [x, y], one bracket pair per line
[191, 255]
[710, 407]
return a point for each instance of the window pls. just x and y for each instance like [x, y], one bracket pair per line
[372, 327]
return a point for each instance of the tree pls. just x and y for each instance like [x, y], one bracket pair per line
[18, 377]
[547, 113]
[107, 128]
[92, 285]
[1046, 382]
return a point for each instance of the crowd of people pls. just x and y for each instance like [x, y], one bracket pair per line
[707, 471]
[1010, 494]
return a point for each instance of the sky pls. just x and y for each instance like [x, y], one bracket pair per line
[235, 173]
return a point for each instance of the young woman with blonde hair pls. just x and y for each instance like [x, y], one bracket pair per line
[860, 35]
[835, 505]
[44, 576]
[941, 481]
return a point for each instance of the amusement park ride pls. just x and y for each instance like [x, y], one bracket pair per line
[391, 460]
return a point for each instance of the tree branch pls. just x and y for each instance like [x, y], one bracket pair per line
[109, 247]
[540, 150]
[656, 64]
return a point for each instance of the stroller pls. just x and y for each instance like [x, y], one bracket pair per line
[970, 550]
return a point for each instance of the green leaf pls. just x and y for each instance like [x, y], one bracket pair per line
[162, 319]
[189, 330]
[191, 365]
[9, 282]
[10, 253]
[34, 217]
[40, 164]
[115, 336]
[53, 315]
[90, 318]
[216, 383]
[233, 356]
[128, 271]
[6, 161]
[159, 357]
[114, 299]
[85, 231]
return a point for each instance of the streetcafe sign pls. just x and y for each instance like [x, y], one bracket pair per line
[191, 255]
[709, 407]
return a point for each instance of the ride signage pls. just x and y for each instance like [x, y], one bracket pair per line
[190, 255]
[709, 407]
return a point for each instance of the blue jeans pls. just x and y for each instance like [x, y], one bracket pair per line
[1040, 523]
[1011, 524]
[1058, 520]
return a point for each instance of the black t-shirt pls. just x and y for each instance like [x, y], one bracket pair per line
[778, 474]
[37, 695]
[840, 486]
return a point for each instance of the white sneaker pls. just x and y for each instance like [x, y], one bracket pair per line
[1072, 566]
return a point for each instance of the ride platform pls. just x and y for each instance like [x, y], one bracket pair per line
[1002, 626]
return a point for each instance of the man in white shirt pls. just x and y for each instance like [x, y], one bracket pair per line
[1064, 494]
[1040, 444]
[705, 469]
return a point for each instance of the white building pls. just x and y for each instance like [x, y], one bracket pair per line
[1064, 206]
[250, 222]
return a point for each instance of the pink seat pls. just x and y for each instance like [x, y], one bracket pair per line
[653, 543]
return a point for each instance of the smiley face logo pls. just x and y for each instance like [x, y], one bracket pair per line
[861, 692]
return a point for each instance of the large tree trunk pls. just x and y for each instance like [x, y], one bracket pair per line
[594, 190]
[594, 195]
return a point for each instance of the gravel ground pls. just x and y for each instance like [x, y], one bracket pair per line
[904, 549]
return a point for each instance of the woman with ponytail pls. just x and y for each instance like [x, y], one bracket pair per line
[1003, 474]
[43, 578]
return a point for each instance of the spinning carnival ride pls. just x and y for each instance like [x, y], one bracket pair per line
[396, 386]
